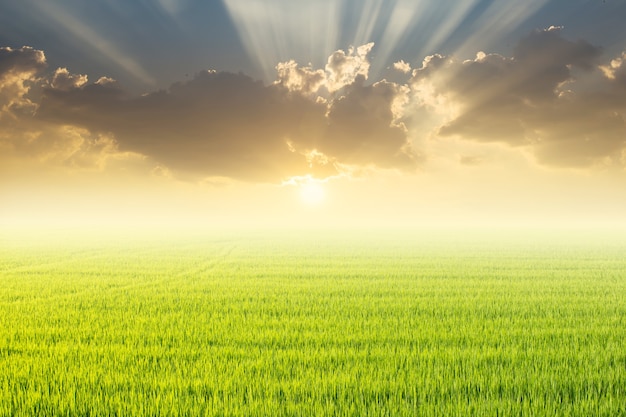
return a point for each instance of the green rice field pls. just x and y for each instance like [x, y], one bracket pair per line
[313, 324]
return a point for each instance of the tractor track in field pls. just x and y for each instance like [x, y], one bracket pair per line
[202, 269]
[84, 271]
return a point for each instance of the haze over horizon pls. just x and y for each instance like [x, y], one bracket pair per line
[327, 113]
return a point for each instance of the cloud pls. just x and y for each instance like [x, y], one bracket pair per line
[18, 69]
[322, 122]
[585, 130]
[229, 125]
[541, 63]
[363, 124]
[524, 100]
[343, 68]
[217, 124]
[25, 137]
[60, 147]
[22, 62]
[63, 80]
[402, 67]
[305, 80]
[616, 71]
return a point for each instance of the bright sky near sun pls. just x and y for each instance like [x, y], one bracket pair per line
[313, 113]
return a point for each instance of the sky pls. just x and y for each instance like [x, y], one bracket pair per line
[326, 113]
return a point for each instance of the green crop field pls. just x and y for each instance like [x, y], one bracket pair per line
[236, 324]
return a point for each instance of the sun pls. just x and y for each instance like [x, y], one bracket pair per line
[312, 193]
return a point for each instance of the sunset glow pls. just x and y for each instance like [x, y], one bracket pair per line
[312, 208]
[312, 193]
[485, 114]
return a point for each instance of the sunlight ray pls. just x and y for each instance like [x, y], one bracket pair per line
[454, 18]
[497, 20]
[274, 31]
[98, 43]
[278, 30]
[367, 20]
